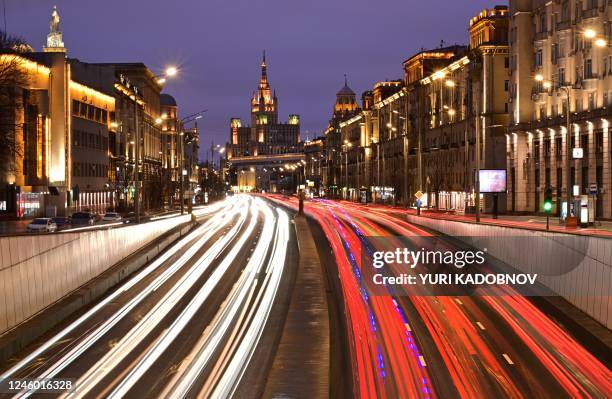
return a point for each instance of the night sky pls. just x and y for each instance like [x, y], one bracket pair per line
[217, 44]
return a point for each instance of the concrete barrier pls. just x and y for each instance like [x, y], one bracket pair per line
[38, 270]
[587, 286]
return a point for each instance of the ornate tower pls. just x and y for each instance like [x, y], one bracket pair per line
[264, 109]
[346, 103]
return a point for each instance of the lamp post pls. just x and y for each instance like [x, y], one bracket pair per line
[547, 84]
[345, 150]
[182, 171]
[133, 93]
[452, 84]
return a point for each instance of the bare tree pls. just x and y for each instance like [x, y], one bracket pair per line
[12, 78]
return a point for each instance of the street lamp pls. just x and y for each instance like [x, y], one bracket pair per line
[568, 141]
[168, 73]
[451, 112]
[591, 34]
[182, 172]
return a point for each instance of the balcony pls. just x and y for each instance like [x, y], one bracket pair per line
[564, 25]
[541, 35]
[592, 13]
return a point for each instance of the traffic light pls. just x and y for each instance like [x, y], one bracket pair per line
[548, 203]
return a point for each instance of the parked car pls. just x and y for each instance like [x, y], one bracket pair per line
[87, 218]
[61, 221]
[131, 217]
[42, 225]
[111, 217]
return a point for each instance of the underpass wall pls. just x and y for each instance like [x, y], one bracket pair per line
[38, 270]
[587, 286]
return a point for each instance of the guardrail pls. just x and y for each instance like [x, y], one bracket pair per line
[586, 286]
[38, 270]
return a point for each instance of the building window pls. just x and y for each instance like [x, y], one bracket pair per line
[538, 58]
[588, 69]
[565, 11]
[591, 101]
[561, 74]
[506, 85]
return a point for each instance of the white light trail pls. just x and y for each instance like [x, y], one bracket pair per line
[146, 325]
[209, 228]
[232, 375]
[236, 303]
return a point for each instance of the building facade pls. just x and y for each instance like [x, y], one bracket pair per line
[78, 128]
[560, 62]
[421, 132]
[259, 153]
[59, 162]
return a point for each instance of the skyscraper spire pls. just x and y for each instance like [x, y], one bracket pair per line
[345, 80]
[264, 74]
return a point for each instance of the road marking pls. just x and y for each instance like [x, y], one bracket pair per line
[507, 358]
[407, 326]
[458, 301]
[479, 324]
[422, 360]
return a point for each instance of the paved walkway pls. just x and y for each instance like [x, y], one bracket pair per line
[301, 364]
[603, 228]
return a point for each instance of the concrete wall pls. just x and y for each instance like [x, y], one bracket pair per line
[587, 286]
[38, 270]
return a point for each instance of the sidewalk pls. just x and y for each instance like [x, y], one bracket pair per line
[530, 222]
[301, 365]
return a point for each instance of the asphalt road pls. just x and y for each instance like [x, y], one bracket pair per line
[191, 323]
[400, 346]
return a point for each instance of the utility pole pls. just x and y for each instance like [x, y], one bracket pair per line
[405, 130]
[137, 161]
[568, 152]
[477, 177]
[181, 166]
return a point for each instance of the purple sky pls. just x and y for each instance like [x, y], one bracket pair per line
[218, 44]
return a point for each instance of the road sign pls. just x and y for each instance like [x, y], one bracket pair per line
[418, 194]
[593, 189]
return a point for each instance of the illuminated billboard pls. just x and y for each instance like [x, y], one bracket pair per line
[492, 180]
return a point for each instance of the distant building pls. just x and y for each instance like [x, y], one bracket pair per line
[314, 157]
[344, 108]
[259, 153]
[419, 133]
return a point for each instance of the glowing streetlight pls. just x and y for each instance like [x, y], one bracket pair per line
[539, 78]
[158, 121]
[590, 34]
[451, 112]
[601, 42]
[171, 71]
[450, 83]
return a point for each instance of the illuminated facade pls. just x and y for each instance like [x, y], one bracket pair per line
[254, 150]
[419, 133]
[62, 130]
[78, 132]
[344, 108]
[566, 43]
